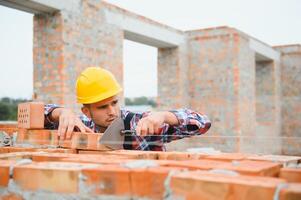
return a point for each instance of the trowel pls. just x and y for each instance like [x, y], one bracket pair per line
[113, 137]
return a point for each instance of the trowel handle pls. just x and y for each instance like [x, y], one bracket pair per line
[127, 131]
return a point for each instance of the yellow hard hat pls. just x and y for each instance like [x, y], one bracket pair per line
[95, 84]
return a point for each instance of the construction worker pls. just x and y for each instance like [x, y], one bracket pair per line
[97, 90]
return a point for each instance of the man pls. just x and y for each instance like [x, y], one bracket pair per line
[97, 90]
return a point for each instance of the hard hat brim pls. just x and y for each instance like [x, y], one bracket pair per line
[100, 97]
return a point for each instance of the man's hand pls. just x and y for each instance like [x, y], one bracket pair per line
[67, 122]
[151, 124]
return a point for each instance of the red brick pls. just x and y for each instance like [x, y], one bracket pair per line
[37, 138]
[99, 160]
[4, 150]
[89, 141]
[193, 164]
[4, 171]
[31, 115]
[255, 168]
[93, 142]
[12, 149]
[109, 179]
[93, 152]
[291, 192]
[149, 182]
[58, 177]
[19, 155]
[51, 157]
[11, 196]
[291, 174]
[8, 125]
[229, 156]
[205, 185]
[9, 130]
[132, 154]
[179, 156]
[80, 158]
[285, 160]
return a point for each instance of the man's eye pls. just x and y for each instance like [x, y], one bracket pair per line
[115, 102]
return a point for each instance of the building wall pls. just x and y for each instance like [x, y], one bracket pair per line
[239, 91]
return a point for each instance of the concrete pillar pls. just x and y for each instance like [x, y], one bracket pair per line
[67, 42]
[173, 78]
[222, 79]
[267, 107]
[291, 98]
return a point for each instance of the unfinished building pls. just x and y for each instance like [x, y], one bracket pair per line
[250, 90]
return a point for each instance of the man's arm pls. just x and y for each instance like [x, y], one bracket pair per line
[185, 121]
[151, 122]
[64, 119]
[190, 123]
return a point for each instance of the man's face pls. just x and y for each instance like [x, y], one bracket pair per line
[103, 112]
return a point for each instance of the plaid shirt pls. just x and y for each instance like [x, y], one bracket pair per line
[190, 123]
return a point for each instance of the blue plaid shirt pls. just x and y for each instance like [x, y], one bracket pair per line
[190, 123]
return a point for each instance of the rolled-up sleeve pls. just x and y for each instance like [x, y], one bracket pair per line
[191, 121]
[48, 124]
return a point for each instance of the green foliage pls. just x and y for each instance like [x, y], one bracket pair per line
[140, 101]
[9, 108]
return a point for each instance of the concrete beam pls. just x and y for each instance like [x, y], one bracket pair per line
[143, 32]
[263, 52]
[41, 6]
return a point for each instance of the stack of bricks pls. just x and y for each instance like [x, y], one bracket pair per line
[37, 167]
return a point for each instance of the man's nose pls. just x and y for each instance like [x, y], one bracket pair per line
[111, 110]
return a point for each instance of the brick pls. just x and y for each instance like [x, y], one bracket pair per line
[31, 115]
[132, 154]
[4, 150]
[89, 141]
[51, 157]
[37, 138]
[109, 180]
[180, 156]
[12, 149]
[194, 164]
[291, 191]
[80, 158]
[93, 152]
[10, 196]
[254, 168]
[57, 177]
[291, 174]
[285, 160]
[4, 125]
[4, 171]
[9, 130]
[19, 155]
[149, 182]
[100, 160]
[206, 185]
[229, 156]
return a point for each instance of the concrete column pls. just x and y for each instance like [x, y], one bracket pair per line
[291, 98]
[222, 79]
[67, 42]
[267, 107]
[173, 78]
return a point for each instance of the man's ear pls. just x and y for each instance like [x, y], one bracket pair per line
[86, 111]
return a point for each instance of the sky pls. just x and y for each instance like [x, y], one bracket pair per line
[275, 22]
